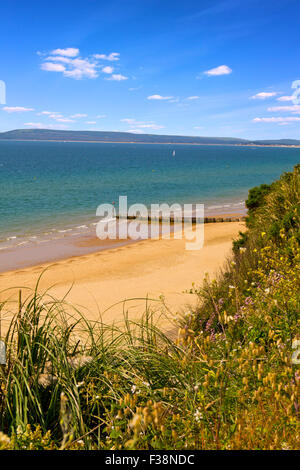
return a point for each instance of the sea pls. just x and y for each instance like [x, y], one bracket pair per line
[51, 190]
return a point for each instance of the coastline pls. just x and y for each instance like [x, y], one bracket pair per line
[47, 250]
[150, 269]
[151, 143]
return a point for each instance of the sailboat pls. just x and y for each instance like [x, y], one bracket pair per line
[173, 153]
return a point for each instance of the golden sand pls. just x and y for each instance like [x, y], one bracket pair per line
[101, 281]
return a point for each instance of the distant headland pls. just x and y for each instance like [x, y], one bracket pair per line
[127, 137]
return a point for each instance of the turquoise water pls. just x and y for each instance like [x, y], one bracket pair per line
[55, 187]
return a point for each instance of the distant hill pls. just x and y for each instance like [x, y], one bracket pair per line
[103, 136]
[278, 142]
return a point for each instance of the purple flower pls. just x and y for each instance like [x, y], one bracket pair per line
[248, 301]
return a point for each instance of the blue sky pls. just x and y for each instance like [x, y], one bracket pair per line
[207, 68]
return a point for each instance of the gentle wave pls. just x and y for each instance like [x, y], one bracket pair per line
[63, 233]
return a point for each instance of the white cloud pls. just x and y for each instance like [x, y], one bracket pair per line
[135, 131]
[36, 125]
[285, 98]
[141, 124]
[81, 68]
[52, 67]
[128, 120]
[39, 125]
[198, 127]
[112, 56]
[293, 109]
[62, 119]
[221, 70]
[16, 109]
[107, 69]
[264, 95]
[55, 116]
[159, 97]
[277, 119]
[65, 60]
[78, 116]
[90, 122]
[73, 67]
[101, 116]
[117, 77]
[150, 126]
[68, 52]
[48, 113]
[70, 64]
[193, 97]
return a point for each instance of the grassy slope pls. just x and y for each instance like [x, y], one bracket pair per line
[227, 382]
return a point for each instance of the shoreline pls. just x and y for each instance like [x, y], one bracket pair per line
[151, 143]
[106, 284]
[50, 251]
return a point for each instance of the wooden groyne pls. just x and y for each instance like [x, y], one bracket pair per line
[194, 220]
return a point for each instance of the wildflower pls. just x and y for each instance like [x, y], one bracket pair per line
[198, 415]
[231, 287]
[212, 336]
[134, 390]
[236, 317]
[242, 249]
[248, 301]
[267, 291]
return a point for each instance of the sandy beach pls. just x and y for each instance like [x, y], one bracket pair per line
[100, 282]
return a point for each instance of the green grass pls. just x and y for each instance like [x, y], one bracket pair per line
[226, 382]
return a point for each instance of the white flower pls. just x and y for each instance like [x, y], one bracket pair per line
[134, 390]
[198, 416]
[231, 287]
[267, 291]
